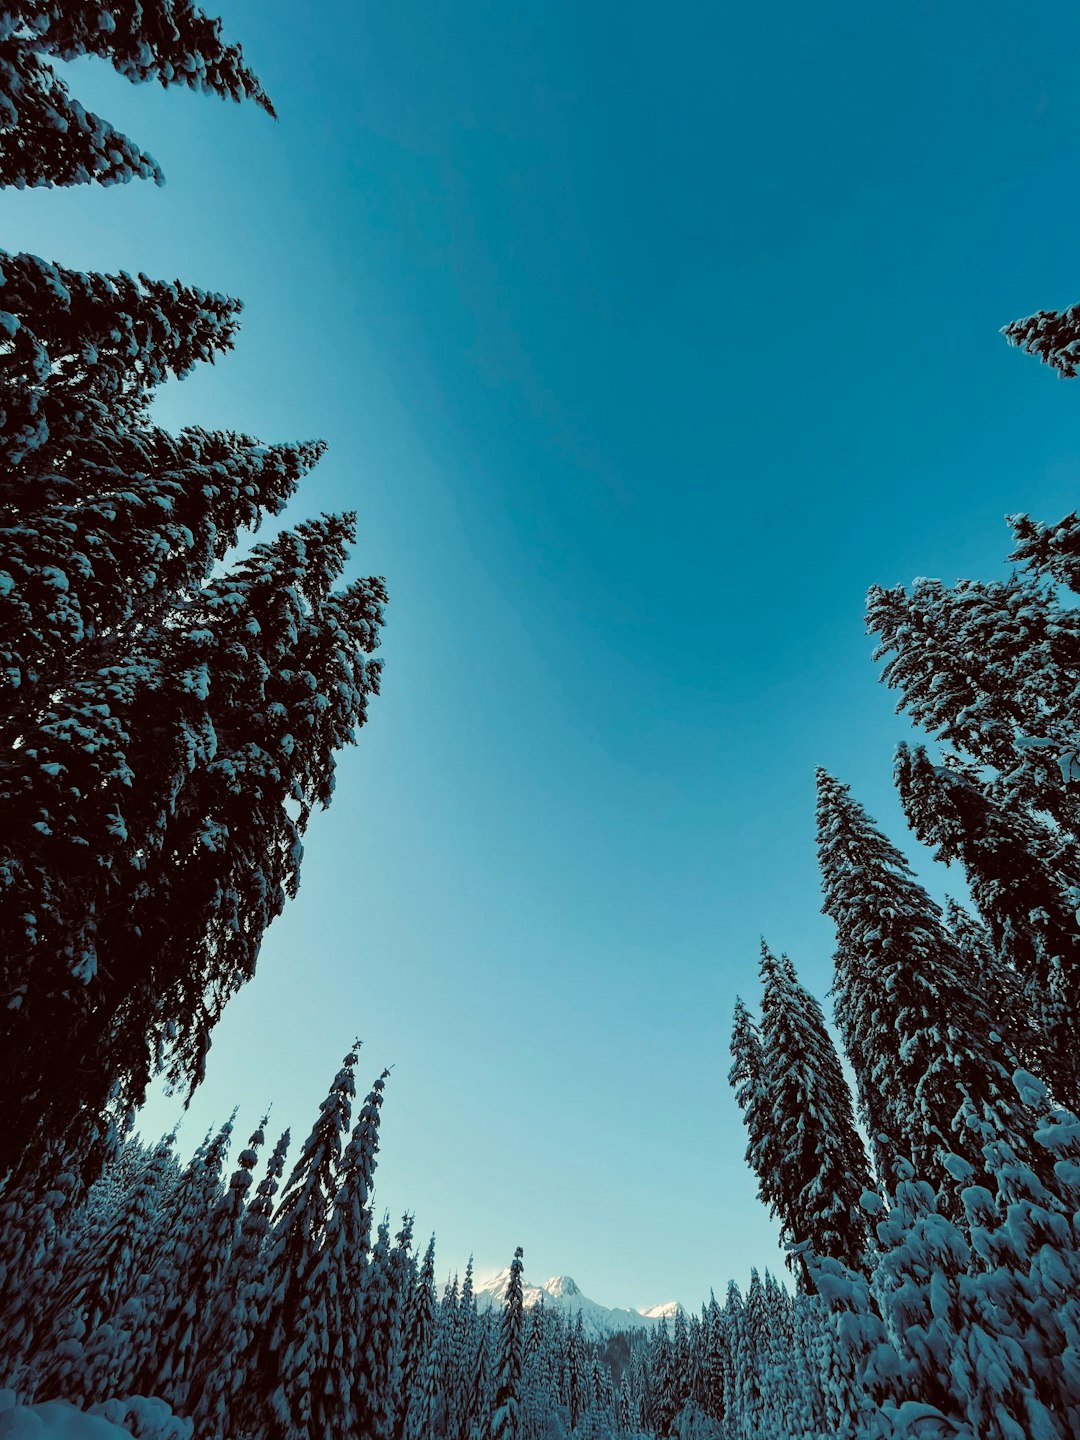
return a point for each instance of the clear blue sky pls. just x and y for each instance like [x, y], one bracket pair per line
[645, 339]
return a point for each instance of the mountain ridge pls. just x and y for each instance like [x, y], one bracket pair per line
[562, 1293]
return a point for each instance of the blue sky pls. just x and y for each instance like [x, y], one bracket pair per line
[644, 341]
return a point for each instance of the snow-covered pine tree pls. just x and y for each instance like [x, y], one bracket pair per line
[821, 1165]
[997, 981]
[119, 1355]
[989, 669]
[338, 1284]
[35, 1250]
[46, 135]
[94, 1270]
[663, 1381]
[460, 1345]
[1051, 552]
[1052, 335]
[576, 1360]
[199, 1284]
[748, 1078]
[223, 809]
[504, 1417]
[715, 1359]
[276, 1402]
[419, 1342]
[919, 1040]
[1009, 860]
[228, 1325]
[126, 668]
[376, 1382]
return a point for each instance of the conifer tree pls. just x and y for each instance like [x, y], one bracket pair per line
[987, 668]
[329, 1357]
[750, 1082]
[100, 1273]
[919, 1040]
[1009, 863]
[119, 1356]
[1052, 335]
[377, 1381]
[1049, 552]
[168, 732]
[419, 1341]
[46, 136]
[272, 643]
[277, 1400]
[822, 1168]
[504, 1418]
[198, 1280]
[229, 1325]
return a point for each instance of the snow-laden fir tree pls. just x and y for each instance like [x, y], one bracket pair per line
[135, 883]
[821, 1165]
[228, 1325]
[420, 1339]
[919, 1039]
[1052, 335]
[134, 1351]
[748, 1078]
[46, 136]
[198, 1283]
[193, 837]
[339, 1282]
[1009, 861]
[989, 667]
[277, 1401]
[504, 1417]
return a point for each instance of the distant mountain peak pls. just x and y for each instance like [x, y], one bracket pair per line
[557, 1285]
[560, 1292]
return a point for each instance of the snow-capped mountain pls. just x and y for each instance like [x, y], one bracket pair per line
[560, 1292]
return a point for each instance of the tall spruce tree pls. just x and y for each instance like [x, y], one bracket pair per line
[822, 1169]
[46, 136]
[1010, 863]
[167, 732]
[227, 1328]
[339, 1282]
[277, 1401]
[419, 1341]
[920, 1041]
[988, 668]
[748, 1078]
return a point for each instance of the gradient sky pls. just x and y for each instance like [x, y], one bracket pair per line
[645, 338]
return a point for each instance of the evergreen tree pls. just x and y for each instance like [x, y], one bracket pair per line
[196, 1277]
[750, 1082]
[229, 1325]
[377, 1381]
[168, 731]
[101, 1271]
[217, 850]
[419, 1341]
[1049, 552]
[821, 1170]
[338, 1284]
[920, 1042]
[1052, 335]
[987, 668]
[576, 1361]
[119, 1356]
[277, 1401]
[46, 136]
[1009, 862]
[504, 1418]
[664, 1381]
